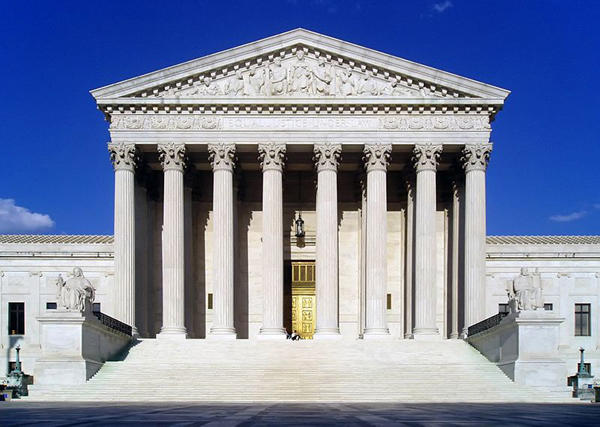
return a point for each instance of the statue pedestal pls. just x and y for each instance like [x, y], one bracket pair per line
[74, 347]
[529, 352]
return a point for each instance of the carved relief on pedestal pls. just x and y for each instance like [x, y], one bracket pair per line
[271, 156]
[426, 156]
[327, 156]
[377, 156]
[172, 156]
[476, 156]
[222, 156]
[123, 156]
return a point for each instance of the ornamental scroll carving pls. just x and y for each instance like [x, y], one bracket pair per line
[426, 156]
[222, 156]
[172, 156]
[476, 156]
[327, 156]
[271, 156]
[301, 72]
[377, 156]
[436, 123]
[123, 156]
[165, 122]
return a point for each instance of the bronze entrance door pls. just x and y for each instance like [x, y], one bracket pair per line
[303, 307]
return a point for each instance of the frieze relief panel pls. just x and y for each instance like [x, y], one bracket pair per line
[404, 122]
[299, 72]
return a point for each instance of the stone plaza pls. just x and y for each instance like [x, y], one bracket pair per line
[301, 183]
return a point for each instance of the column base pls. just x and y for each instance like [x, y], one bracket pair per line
[426, 334]
[453, 336]
[172, 333]
[271, 334]
[408, 336]
[327, 334]
[222, 334]
[377, 334]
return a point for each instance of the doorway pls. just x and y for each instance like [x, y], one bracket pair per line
[300, 298]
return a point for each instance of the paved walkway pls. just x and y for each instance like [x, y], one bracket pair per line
[326, 414]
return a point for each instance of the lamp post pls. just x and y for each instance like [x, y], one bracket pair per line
[300, 226]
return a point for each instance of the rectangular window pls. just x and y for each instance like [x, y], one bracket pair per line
[96, 307]
[16, 318]
[389, 301]
[50, 306]
[209, 303]
[583, 317]
[503, 309]
[548, 306]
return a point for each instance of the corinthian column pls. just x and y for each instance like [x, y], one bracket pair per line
[426, 158]
[172, 158]
[272, 157]
[327, 157]
[475, 160]
[124, 158]
[222, 158]
[376, 159]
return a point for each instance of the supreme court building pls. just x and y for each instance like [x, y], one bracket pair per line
[300, 182]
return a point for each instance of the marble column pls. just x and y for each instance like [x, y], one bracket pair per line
[426, 157]
[454, 257]
[327, 157]
[475, 160]
[222, 158]
[272, 158]
[172, 158]
[124, 159]
[410, 245]
[376, 161]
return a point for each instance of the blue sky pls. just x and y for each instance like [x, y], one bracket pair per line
[543, 176]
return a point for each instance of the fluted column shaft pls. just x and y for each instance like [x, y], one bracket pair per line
[409, 286]
[426, 158]
[124, 157]
[376, 161]
[272, 158]
[475, 159]
[222, 158]
[455, 257]
[327, 276]
[172, 157]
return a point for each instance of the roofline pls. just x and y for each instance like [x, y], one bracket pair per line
[309, 38]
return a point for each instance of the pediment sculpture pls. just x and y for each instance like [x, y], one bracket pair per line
[525, 292]
[76, 293]
[298, 75]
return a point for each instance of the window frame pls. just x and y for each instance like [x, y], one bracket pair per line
[20, 326]
[579, 315]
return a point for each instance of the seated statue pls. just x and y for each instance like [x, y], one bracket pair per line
[77, 293]
[525, 291]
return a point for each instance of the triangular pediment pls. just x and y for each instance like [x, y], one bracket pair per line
[295, 65]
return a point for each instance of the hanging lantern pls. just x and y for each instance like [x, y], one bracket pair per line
[300, 226]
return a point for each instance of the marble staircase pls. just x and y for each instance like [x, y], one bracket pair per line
[300, 371]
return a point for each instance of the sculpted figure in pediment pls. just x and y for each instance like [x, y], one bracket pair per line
[256, 82]
[206, 87]
[323, 76]
[394, 89]
[278, 83]
[367, 86]
[301, 75]
[346, 84]
[235, 84]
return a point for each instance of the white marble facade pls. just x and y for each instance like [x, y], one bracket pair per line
[215, 158]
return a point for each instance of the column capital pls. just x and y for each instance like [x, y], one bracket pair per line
[377, 156]
[271, 156]
[123, 156]
[476, 156]
[222, 156]
[172, 156]
[426, 156]
[327, 156]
